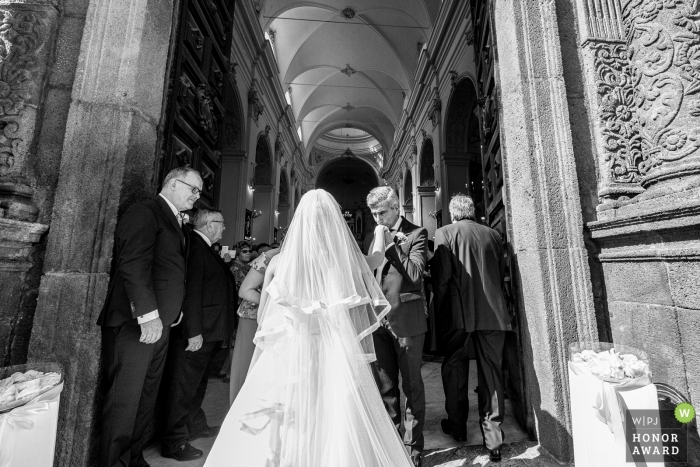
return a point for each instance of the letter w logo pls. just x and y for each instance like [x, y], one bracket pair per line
[684, 412]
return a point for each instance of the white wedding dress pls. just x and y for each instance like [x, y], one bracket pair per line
[309, 399]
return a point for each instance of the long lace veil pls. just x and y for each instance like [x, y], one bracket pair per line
[322, 271]
[309, 399]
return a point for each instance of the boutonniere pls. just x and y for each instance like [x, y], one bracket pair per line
[185, 218]
[401, 237]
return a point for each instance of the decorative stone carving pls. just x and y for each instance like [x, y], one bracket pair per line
[435, 109]
[348, 70]
[271, 32]
[664, 60]
[348, 13]
[453, 77]
[423, 133]
[419, 46]
[414, 148]
[469, 34]
[23, 35]
[348, 107]
[622, 142]
[232, 71]
[256, 105]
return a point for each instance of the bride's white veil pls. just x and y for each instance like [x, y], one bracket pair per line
[309, 399]
[321, 270]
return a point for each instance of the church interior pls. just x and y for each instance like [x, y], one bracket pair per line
[574, 125]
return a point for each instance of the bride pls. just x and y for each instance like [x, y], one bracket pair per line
[309, 399]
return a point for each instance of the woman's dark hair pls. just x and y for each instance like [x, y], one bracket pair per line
[262, 245]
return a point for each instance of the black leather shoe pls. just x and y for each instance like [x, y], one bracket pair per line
[186, 453]
[495, 455]
[416, 458]
[208, 432]
[446, 429]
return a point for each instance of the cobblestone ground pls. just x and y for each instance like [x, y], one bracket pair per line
[521, 454]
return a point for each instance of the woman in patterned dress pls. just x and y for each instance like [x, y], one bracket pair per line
[249, 293]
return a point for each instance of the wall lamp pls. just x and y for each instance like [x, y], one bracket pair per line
[433, 214]
[251, 185]
[256, 213]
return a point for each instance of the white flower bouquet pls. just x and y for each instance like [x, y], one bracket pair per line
[609, 362]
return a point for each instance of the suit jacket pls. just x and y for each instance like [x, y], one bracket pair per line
[467, 272]
[149, 268]
[209, 308]
[402, 281]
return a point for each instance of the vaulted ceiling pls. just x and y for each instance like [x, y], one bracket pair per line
[348, 64]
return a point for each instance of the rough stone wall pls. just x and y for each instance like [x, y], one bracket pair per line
[641, 63]
[108, 158]
[57, 32]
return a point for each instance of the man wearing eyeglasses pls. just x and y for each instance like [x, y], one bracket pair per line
[209, 310]
[144, 299]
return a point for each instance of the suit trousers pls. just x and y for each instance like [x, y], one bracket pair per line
[401, 355]
[488, 346]
[186, 379]
[133, 372]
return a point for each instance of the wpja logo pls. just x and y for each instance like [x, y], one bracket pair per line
[658, 435]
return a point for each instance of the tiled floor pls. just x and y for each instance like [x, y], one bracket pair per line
[441, 450]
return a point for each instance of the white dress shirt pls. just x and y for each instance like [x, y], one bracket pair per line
[154, 314]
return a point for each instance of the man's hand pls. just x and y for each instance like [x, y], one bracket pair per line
[388, 236]
[194, 343]
[227, 258]
[151, 331]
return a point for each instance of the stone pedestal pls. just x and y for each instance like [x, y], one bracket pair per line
[17, 238]
[107, 163]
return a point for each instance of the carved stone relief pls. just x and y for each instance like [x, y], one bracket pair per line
[435, 109]
[23, 54]
[622, 142]
[664, 58]
[256, 105]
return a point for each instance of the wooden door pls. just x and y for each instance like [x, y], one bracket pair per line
[494, 202]
[199, 85]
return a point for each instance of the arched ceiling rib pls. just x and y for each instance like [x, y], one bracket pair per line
[348, 63]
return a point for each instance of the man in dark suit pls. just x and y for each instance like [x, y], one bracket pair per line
[399, 341]
[467, 272]
[144, 299]
[208, 314]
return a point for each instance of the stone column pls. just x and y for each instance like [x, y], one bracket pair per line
[232, 198]
[610, 99]
[108, 161]
[428, 209]
[264, 201]
[664, 61]
[284, 216]
[27, 33]
[544, 217]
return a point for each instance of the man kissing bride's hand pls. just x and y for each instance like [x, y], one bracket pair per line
[382, 238]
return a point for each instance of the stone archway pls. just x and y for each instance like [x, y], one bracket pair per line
[461, 162]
